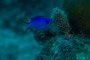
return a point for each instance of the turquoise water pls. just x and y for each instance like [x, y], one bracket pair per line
[67, 38]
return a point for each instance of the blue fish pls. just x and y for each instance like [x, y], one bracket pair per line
[39, 23]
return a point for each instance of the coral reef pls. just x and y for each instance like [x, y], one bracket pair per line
[56, 46]
[59, 49]
[53, 39]
[63, 51]
[60, 19]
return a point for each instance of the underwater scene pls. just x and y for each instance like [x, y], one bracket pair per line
[44, 29]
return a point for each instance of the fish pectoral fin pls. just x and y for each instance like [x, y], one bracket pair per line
[35, 30]
[27, 29]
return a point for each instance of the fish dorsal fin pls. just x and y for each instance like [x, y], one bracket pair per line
[36, 17]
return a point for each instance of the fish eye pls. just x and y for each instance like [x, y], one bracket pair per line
[47, 22]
